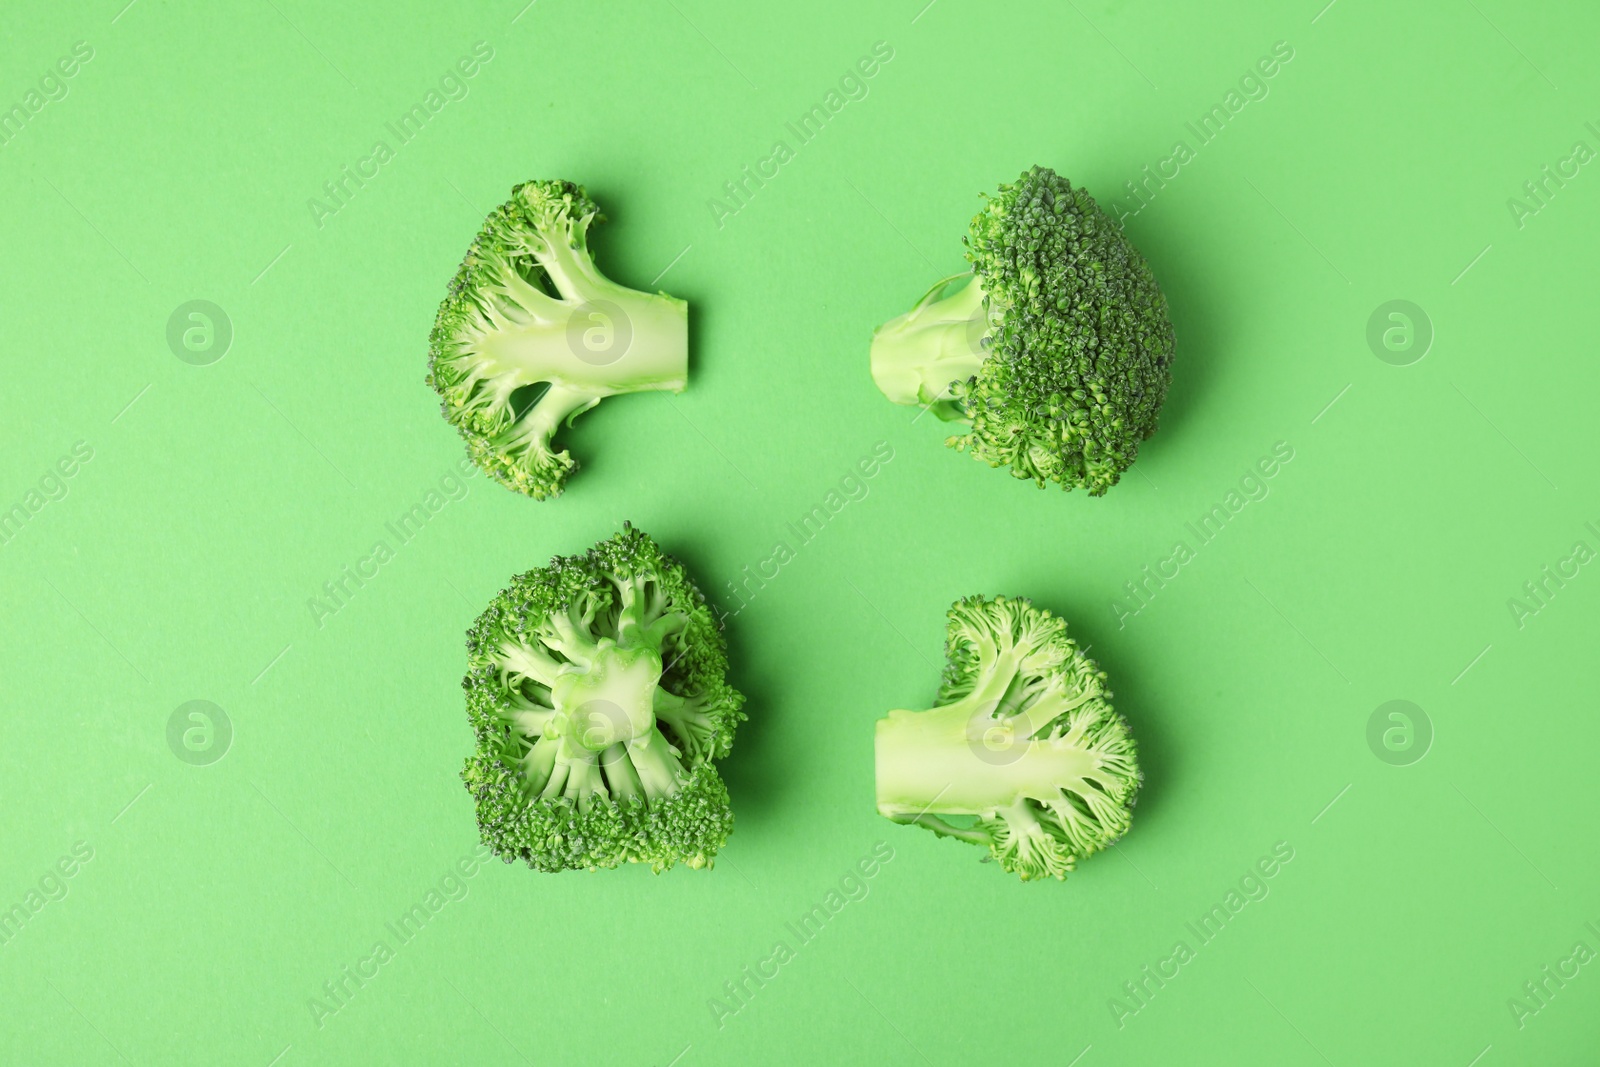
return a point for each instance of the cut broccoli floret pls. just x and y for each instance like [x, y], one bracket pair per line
[531, 335]
[1023, 750]
[1056, 352]
[595, 688]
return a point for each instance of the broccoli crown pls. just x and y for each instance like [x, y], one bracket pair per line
[1023, 747]
[1057, 353]
[595, 688]
[531, 334]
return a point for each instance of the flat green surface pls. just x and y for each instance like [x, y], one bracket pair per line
[179, 560]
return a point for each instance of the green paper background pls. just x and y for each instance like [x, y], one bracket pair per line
[179, 564]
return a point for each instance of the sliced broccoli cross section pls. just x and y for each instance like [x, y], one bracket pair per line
[1023, 751]
[531, 335]
[596, 691]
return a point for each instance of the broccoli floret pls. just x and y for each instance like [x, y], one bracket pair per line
[1056, 352]
[1023, 748]
[595, 687]
[531, 335]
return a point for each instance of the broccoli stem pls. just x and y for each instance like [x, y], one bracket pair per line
[656, 763]
[583, 779]
[517, 658]
[975, 835]
[642, 617]
[562, 249]
[620, 774]
[540, 762]
[1050, 705]
[601, 737]
[540, 422]
[687, 718]
[610, 697]
[639, 342]
[959, 759]
[917, 357]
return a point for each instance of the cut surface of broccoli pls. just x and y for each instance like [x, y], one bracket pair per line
[531, 335]
[596, 693]
[1023, 756]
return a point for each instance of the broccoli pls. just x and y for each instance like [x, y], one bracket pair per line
[1024, 742]
[595, 689]
[1056, 353]
[532, 334]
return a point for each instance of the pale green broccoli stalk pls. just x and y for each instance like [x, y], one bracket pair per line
[1023, 750]
[1057, 351]
[595, 688]
[532, 335]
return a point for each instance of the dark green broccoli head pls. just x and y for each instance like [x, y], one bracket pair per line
[596, 690]
[531, 335]
[1057, 353]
